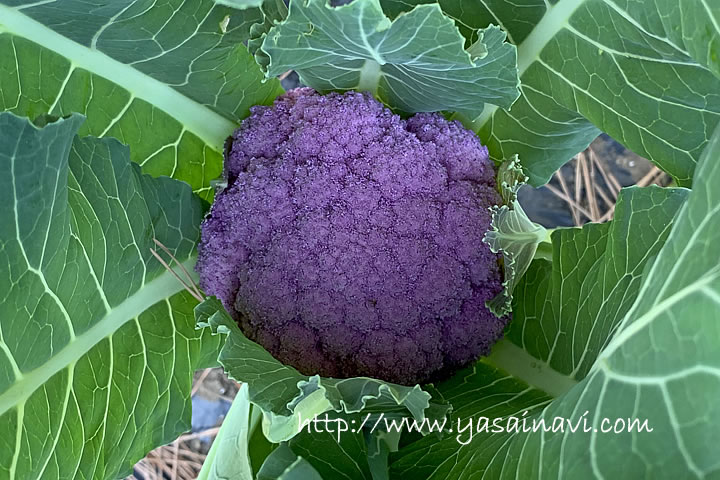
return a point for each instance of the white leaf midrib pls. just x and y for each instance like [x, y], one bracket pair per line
[533, 371]
[554, 20]
[211, 127]
[631, 326]
[158, 289]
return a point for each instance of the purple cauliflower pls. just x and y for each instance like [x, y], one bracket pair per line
[349, 241]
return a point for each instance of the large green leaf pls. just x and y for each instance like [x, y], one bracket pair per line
[411, 63]
[565, 313]
[168, 79]
[644, 72]
[97, 340]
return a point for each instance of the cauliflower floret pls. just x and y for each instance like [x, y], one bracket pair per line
[349, 241]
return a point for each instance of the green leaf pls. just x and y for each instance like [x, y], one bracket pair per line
[332, 454]
[512, 233]
[410, 63]
[97, 340]
[517, 237]
[165, 79]
[355, 454]
[229, 456]
[288, 398]
[480, 395]
[380, 444]
[284, 464]
[273, 11]
[337, 450]
[664, 361]
[565, 312]
[646, 73]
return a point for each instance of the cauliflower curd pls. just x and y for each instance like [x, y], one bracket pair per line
[349, 241]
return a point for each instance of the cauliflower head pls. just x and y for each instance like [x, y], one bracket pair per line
[348, 241]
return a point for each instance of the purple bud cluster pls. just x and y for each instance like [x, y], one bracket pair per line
[349, 240]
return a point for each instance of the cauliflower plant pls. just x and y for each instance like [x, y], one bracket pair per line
[349, 241]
